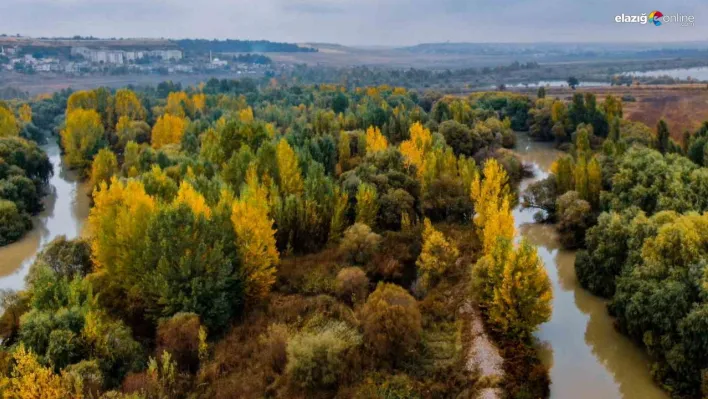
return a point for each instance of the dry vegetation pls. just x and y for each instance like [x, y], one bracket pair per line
[683, 107]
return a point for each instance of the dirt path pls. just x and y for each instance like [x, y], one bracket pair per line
[483, 356]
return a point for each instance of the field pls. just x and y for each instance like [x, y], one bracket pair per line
[683, 107]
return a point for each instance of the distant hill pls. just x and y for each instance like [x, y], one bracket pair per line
[241, 46]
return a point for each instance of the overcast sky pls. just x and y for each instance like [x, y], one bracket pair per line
[360, 22]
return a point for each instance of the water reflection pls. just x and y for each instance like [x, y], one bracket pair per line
[587, 357]
[66, 208]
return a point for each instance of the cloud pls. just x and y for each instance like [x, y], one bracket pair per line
[387, 22]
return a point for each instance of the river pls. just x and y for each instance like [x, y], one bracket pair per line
[66, 208]
[587, 356]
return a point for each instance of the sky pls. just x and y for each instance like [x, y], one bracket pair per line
[360, 22]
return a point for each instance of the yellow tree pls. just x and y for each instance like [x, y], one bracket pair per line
[415, 148]
[8, 123]
[491, 200]
[256, 236]
[131, 159]
[339, 214]
[194, 200]
[179, 104]
[30, 380]
[580, 176]
[375, 141]
[514, 288]
[117, 222]
[367, 207]
[25, 113]
[199, 101]
[87, 99]
[288, 169]
[168, 129]
[438, 253]
[82, 137]
[104, 166]
[246, 115]
[344, 152]
[594, 176]
[128, 105]
[564, 169]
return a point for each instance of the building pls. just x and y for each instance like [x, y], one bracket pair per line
[102, 56]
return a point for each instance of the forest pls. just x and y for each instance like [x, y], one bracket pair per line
[240, 46]
[262, 239]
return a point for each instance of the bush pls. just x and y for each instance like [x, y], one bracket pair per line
[179, 335]
[317, 359]
[360, 243]
[352, 285]
[391, 322]
[275, 346]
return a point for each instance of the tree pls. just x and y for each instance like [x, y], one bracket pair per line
[288, 169]
[104, 166]
[360, 243]
[67, 258]
[594, 178]
[168, 130]
[128, 105]
[391, 322]
[662, 137]
[256, 237]
[117, 223]
[573, 82]
[541, 92]
[375, 141]
[194, 200]
[86, 100]
[574, 218]
[564, 170]
[514, 289]
[367, 207]
[25, 114]
[491, 200]
[415, 148]
[13, 223]
[438, 252]
[82, 137]
[338, 221]
[29, 379]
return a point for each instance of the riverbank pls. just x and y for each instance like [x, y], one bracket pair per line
[66, 208]
[586, 356]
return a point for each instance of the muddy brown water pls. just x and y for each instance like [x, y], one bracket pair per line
[587, 356]
[66, 208]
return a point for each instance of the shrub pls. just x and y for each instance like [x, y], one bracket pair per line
[88, 374]
[179, 335]
[317, 359]
[275, 344]
[391, 321]
[360, 243]
[352, 284]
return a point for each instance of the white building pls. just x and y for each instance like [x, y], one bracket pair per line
[101, 56]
